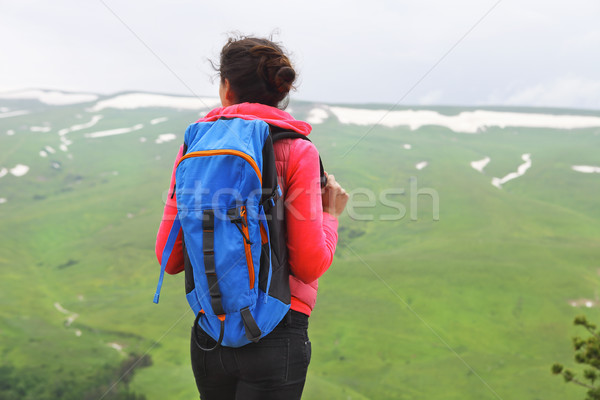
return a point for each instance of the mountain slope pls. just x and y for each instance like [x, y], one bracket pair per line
[444, 285]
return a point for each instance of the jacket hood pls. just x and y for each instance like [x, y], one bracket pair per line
[251, 111]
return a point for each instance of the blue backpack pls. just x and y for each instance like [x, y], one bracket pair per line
[230, 209]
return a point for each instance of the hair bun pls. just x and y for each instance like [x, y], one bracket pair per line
[284, 79]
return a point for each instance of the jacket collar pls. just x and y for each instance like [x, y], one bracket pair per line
[251, 111]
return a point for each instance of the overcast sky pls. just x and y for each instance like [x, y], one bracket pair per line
[526, 52]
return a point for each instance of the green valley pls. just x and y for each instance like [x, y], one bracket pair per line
[444, 285]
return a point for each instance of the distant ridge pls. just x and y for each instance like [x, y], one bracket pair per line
[51, 97]
[465, 120]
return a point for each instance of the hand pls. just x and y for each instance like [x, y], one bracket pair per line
[334, 197]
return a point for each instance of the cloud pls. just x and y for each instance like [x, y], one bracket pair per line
[430, 98]
[564, 92]
[367, 53]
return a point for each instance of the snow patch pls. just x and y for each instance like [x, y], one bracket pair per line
[63, 147]
[498, 182]
[140, 100]
[3, 172]
[4, 109]
[10, 132]
[77, 332]
[317, 116]
[19, 170]
[586, 169]
[466, 122]
[421, 165]
[480, 164]
[71, 315]
[166, 137]
[112, 132]
[40, 128]
[60, 308]
[50, 149]
[3, 200]
[118, 347]
[14, 113]
[79, 127]
[158, 120]
[43, 153]
[407, 146]
[143, 140]
[51, 97]
[583, 303]
[71, 319]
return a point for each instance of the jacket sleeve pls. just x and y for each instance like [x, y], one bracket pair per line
[311, 232]
[175, 263]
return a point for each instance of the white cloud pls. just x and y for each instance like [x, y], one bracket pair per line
[433, 97]
[584, 41]
[373, 52]
[564, 92]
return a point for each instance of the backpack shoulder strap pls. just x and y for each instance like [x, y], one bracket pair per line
[279, 135]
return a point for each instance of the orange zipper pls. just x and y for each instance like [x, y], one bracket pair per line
[250, 160]
[247, 247]
[263, 234]
[221, 152]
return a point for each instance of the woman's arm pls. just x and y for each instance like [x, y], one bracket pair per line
[311, 232]
[175, 264]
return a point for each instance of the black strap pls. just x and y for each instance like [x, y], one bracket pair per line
[279, 135]
[185, 149]
[208, 239]
[253, 332]
[208, 248]
[195, 334]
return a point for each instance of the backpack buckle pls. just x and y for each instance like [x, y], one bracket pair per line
[275, 194]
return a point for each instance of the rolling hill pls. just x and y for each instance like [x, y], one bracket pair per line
[471, 242]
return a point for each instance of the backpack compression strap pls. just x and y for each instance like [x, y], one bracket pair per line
[279, 135]
[208, 247]
[195, 334]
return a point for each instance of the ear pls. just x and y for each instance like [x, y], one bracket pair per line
[228, 97]
[228, 92]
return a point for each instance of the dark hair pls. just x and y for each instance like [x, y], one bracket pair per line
[258, 71]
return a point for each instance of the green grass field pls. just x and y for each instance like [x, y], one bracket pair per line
[471, 305]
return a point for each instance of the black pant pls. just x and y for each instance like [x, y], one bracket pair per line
[274, 368]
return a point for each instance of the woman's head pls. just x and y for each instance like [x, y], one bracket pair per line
[256, 70]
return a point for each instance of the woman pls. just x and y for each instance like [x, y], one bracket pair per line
[256, 77]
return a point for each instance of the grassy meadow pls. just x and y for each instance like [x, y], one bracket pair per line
[443, 287]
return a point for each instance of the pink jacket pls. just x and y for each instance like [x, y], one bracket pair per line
[311, 232]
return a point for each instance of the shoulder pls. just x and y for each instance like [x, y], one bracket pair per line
[295, 152]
